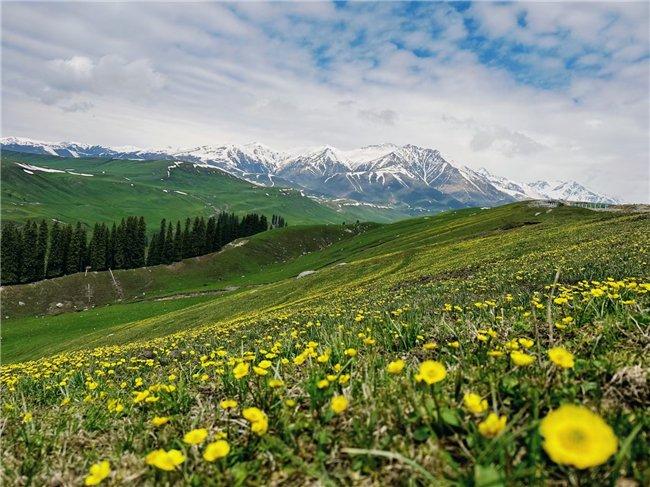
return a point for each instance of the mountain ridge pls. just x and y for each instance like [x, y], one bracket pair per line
[416, 177]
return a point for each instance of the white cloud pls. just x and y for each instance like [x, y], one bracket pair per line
[303, 74]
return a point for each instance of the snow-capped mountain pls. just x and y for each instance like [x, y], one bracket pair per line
[552, 190]
[408, 176]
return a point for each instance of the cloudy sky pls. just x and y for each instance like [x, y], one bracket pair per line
[527, 90]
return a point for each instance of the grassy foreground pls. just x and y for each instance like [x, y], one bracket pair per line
[429, 353]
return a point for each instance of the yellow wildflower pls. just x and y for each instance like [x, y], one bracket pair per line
[396, 366]
[214, 451]
[240, 370]
[561, 357]
[431, 372]
[474, 403]
[521, 359]
[196, 436]
[160, 420]
[228, 404]
[165, 460]
[258, 419]
[573, 435]
[98, 472]
[339, 404]
[492, 425]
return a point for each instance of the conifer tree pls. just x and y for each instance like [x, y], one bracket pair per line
[77, 255]
[55, 255]
[66, 242]
[121, 258]
[209, 245]
[111, 246]
[141, 243]
[168, 247]
[187, 239]
[41, 249]
[10, 254]
[30, 271]
[178, 242]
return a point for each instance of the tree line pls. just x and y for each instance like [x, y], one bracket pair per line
[35, 251]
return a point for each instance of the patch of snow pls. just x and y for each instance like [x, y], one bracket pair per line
[31, 167]
[304, 274]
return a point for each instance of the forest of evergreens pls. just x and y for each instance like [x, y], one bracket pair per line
[35, 251]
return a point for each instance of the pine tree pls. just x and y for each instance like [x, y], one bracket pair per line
[121, 258]
[97, 248]
[30, 271]
[111, 247]
[187, 239]
[54, 255]
[141, 243]
[209, 245]
[178, 242]
[153, 253]
[168, 247]
[66, 242]
[10, 254]
[77, 255]
[41, 249]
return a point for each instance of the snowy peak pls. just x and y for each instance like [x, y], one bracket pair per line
[570, 191]
[410, 175]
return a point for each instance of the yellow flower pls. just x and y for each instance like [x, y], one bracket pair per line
[165, 460]
[265, 364]
[28, 417]
[290, 403]
[344, 379]
[98, 472]
[240, 370]
[339, 404]
[196, 436]
[430, 345]
[260, 370]
[216, 450]
[474, 403]
[160, 420]
[396, 366]
[322, 384]
[431, 372]
[495, 353]
[526, 342]
[258, 419]
[492, 426]
[521, 359]
[454, 344]
[350, 352]
[228, 404]
[573, 435]
[561, 357]
[275, 383]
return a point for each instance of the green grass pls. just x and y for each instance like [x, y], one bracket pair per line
[451, 288]
[35, 336]
[149, 188]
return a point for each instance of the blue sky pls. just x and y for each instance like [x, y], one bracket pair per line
[529, 90]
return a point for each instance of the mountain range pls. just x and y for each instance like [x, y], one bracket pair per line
[409, 177]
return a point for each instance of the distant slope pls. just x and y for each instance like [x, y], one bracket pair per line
[96, 189]
[451, 245]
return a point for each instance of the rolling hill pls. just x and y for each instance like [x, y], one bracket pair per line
[105, 190]
[426, 351]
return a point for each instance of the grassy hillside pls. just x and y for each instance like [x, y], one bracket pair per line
[105, 190]
[403, 321]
